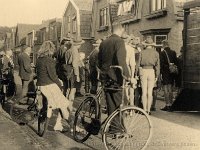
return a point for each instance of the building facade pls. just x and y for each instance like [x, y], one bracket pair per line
[160, 19]
[77, 22]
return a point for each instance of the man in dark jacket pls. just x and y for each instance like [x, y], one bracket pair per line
[167, 56]
[25, 71]
[112, 52]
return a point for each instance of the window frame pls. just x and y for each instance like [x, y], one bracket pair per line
[74, 24]
[69, 23]
[157, 35]
[154, 7]
[103, 17]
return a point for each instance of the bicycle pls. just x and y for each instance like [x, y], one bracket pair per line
[128, 127]
[5, 82]
[36, 111]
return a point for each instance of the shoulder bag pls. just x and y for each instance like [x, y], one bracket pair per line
[172, 67]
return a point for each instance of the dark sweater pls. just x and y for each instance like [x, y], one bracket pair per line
[112, 52]
[46, 71]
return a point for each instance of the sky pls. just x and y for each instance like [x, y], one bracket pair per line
[29, 11]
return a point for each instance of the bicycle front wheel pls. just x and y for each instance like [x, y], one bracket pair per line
[20, 113]
[128, 128]
[86, 114]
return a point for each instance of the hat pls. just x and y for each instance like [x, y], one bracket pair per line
[78, 41]
[148, 42]
[97, 42]
[65, 39]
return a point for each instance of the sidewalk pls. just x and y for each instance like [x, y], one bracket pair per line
[15, 137]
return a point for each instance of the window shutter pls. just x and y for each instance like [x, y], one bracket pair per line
[139, 9]
[119, 13]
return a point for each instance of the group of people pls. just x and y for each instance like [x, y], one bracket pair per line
[6, 72]
[58, 72]
[143, 66]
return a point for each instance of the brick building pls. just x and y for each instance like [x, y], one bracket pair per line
[77, 22]
[48, 30]
[161, 19]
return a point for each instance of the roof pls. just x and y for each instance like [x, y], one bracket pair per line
[86, 5]
[23, 29]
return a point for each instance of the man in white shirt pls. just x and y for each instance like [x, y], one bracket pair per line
[130, 61]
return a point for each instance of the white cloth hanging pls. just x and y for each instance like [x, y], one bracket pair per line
[120, 9]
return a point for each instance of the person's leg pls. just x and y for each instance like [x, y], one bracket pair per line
[131, 96]
[25, 88]
[113, 100]
[153, 106]
[167, 98]
[170, 94]
[143, 78]
[79, 84]
[22, 98]
[150, 85]
[58, 125]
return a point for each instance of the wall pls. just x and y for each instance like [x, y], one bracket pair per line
[85, 23]
[97, 5]
[70, 11]
[164, 22]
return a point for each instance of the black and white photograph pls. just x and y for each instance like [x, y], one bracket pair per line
[99, 74]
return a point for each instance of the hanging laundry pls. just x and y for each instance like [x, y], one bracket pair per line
[120, 10]
[130, 5]
[125, 6]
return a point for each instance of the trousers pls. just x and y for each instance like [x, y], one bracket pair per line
[147, 83]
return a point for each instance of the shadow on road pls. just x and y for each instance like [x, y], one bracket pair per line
[188, 119]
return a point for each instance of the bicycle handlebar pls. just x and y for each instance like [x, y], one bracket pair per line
[121, 70]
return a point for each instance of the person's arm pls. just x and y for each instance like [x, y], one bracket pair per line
[157, 65]
[27, 64]
[121, 57]
[132, 63]
[100, 56]
[51, 70]
[75, 62]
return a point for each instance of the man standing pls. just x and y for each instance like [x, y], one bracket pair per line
[72, 66]
[93, 63]
[167, 56]
[112, 52]
[61, 66]
[25, 71]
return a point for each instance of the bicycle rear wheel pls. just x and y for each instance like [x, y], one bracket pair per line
[129, 128]
[86, 116]
[43, 120]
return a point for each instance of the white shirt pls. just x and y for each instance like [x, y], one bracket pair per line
[130, 59]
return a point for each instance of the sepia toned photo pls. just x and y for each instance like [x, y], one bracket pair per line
[99, 74]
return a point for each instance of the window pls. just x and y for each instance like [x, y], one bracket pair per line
[74, 24]
[127, 7]
[69, 24]
[103, 17]
[126, 28]
[159, 39]
[158, 5]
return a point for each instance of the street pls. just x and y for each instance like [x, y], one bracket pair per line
[171, 131]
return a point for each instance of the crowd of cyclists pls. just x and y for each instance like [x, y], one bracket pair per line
[59, 72]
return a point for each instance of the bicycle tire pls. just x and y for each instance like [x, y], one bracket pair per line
[130, 133]
[20, 113]
[6, 98]
[91, 106]
[43, 122]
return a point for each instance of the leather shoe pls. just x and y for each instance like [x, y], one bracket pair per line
[166, 108]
